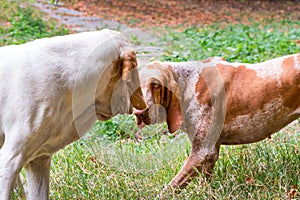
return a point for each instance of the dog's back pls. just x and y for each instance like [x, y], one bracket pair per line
[45, 70]
[258, 96]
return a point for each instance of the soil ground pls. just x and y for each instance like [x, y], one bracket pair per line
[142, 13]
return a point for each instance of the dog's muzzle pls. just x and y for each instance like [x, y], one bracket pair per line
[142, 117]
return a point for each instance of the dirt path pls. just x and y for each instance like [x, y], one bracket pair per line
[123, 15]
[79, 21]
[159, 13]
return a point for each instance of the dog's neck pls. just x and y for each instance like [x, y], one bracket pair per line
[186, 74]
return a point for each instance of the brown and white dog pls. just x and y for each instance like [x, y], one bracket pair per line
[52, 90]
[216, 102]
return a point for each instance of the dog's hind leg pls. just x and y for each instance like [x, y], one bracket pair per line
[37, 174]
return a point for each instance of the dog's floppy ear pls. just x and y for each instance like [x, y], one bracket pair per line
[131, 77]
[128, 62]
[174, 115]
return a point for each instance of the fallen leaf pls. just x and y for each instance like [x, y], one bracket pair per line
[293, 192]
[249, 181]
[92, 158]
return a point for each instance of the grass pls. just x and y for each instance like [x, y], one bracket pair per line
[115, 160]
[127, 169]
[239, 43]
[25, 24]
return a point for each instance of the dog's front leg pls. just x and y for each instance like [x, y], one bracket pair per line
[190, 169]
[205, 152]
[199, 161]
[10, 166]
[37, 174]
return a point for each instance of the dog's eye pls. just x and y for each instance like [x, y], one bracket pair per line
[155, 86]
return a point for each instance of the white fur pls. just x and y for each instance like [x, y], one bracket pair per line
[44, 86]
[297, 62]
[189, 75]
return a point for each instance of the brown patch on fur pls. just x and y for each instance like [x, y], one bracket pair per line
[245, 91]
[248, 94]
[129, 60]
[211, 59]
[203, 94]
[155, 65]
[168, 95]
[207, 60]
[130, 75]
[207, 83]
[162, 95]
[290, 79]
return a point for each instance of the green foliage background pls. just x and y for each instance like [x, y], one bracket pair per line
[237, 43]
[22, 24]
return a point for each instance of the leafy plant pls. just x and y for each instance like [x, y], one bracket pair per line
[237, 43]
[110, 130]
[123, 127]
[27, 24]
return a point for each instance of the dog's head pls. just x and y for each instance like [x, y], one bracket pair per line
[123, 90]
[162, 97]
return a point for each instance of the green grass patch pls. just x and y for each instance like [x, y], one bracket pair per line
[25, 24]
[93, 169]
[236, 43]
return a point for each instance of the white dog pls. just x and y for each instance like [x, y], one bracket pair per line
[51, 92]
